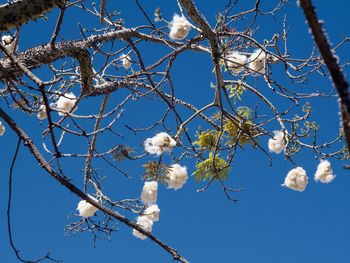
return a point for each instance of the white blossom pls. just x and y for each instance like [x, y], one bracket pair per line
[65, 103]
[86, 209]
[235, 62]
[152, 212]
[9, 42]
[159, 143]
[2, 129]
[176, 176]
[324, 172]
[42, 113]
[257, 61]
[179, 27]
[278, 142]
[145, 224]
[126, 61]
[6, 39]
[296, 179]
[149, 192]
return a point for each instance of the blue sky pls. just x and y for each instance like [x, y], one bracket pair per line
[268, 224]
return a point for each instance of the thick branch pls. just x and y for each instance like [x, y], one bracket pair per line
[19, 12]
[341, 85]
[46, 54]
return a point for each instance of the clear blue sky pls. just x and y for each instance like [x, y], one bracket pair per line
[269, 224]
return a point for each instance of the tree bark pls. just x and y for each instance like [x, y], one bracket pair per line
[338, 79]
[17, 13]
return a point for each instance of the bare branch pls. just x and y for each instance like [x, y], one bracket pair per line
[72, 188]
[341, 85]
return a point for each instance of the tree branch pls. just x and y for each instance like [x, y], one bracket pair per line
[46, 54]
[63, 181]
[341, 85]
[19, 12]
[194, 14]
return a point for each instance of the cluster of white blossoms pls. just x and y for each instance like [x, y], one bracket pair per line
[146, 220]
[65, 103]
[126, 61]
[278, 143]
[42, 115]
[2, 129]
[179, 27]
[151, 213]
[9, 42]
[296, 179]
[177, 176]
[324, 172]
[236, 62]
[86, 209]
[257, 61]
[159, 143]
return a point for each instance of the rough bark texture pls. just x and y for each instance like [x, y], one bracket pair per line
[46, 54]
[17, 13]
[341, 85]
[42, 55]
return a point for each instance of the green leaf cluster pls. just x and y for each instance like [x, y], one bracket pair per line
[239, 129]
[235, 92]
[207, 139]
[212, 168]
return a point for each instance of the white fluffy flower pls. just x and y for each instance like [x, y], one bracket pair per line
[9, 42]
[257, 61]
[159, 143]
[152, 213]
[324, 172]
[65, 103]
[86, 209]
[6, 39]
[145, 224]
[42, 113]
[235, 62]
[149, 192]
[176, 176]
[296, 179]
[2, 129]
[278, 142]
[179, 27]
[126, 61]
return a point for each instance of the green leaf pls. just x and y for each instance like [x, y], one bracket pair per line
[212, 168]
